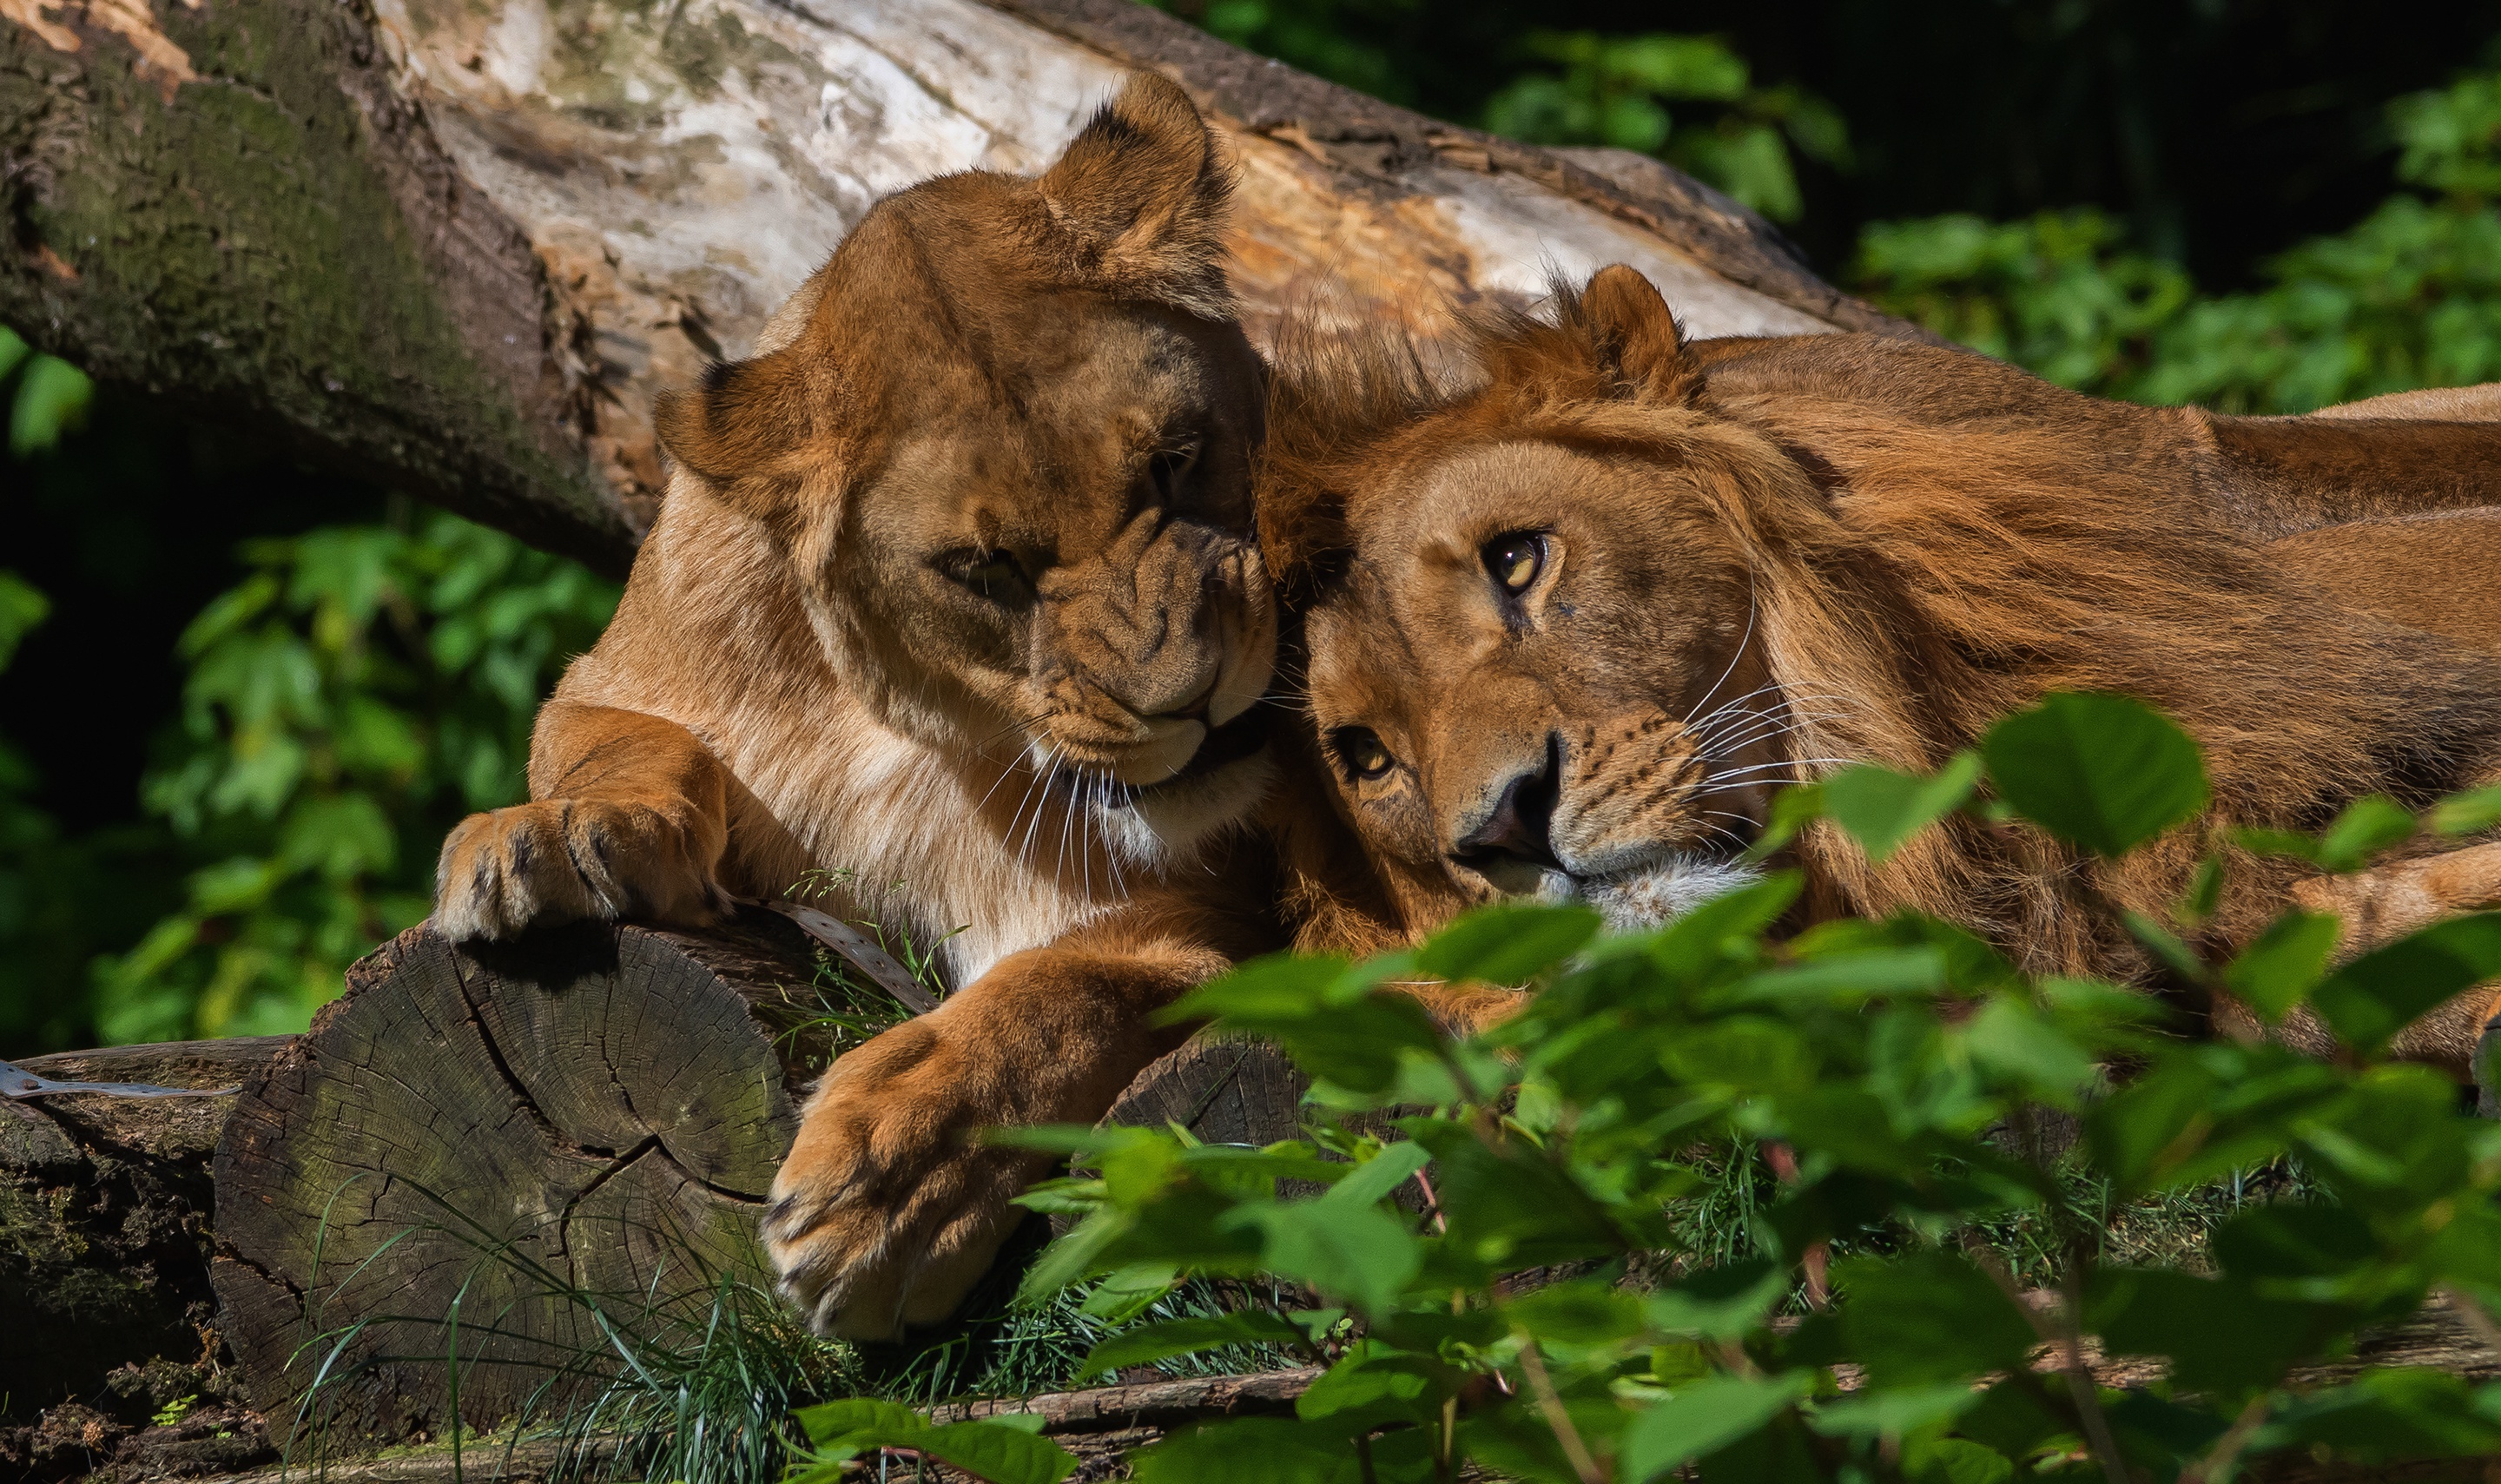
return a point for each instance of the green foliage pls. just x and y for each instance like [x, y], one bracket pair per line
[1903, 1074]
[1002, 1450]
[1617, 91]
[1314, 35]
[2408, 297]
[51, 401]
[361, 690]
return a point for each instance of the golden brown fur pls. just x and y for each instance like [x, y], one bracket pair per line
[1755, 560]
[953, 601]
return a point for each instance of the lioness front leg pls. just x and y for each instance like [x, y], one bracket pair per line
[888, 1210]
[628, 818]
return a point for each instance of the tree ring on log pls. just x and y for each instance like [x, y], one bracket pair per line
[479, 1147]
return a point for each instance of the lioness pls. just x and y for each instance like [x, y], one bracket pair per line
[954, 588]
[1571, 623]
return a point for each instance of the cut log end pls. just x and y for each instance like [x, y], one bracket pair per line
[481, 1154]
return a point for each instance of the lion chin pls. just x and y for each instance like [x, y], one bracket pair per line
[1652, 894]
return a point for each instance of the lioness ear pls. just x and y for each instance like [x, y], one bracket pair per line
[754, 428]
[1634, 335]
[1142, 192]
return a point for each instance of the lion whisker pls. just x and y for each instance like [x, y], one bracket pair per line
[1742, 640]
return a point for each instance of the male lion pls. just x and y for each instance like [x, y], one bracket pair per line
[1571, 623]
[955, 589]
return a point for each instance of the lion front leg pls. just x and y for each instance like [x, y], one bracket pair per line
[888, 1209]
[2380, 905]
[629, 819]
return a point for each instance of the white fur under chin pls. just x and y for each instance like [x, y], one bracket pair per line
[1652, 895]
[1168, 825]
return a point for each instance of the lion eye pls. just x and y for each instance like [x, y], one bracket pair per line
[1170, 466]
[1514, 561]
[1362, 752]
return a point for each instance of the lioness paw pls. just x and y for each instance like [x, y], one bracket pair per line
[886, 1212]
[558, 860]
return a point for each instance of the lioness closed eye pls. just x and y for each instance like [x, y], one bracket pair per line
[1582, 614]
[954, 588]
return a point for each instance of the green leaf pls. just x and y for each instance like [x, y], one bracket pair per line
[1704, 1418]
[2468, 814]
[1187, 1337]
[1793, 808]
[2014, 1040]
[1251, 1450]
[2220, 1334]
[1356, 1253]
[2376, 995]
[1845, 979]
[1892, 1413]
[52, 398]
[1372, 1386]
[1928, 1317]
[1882, 808]
[2366, 827]
[1374, 1178]
[12, 350]
[1129, 1292]
[2098, 770]
[1722, 1301]
[1510, 943]
[1001, 1453]
[2275, 972]
[1954, 1460]
[23, 607]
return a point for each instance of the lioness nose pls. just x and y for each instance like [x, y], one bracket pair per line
[1522, 820]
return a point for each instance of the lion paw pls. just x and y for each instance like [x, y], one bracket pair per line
[558, 860]
[886, 1213]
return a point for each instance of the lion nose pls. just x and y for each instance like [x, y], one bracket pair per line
[1522, 820]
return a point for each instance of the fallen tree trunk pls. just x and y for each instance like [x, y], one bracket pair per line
[456, 248]
[107, 1317]
[103, 1217]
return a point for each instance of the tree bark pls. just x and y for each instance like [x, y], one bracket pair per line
[456, 247]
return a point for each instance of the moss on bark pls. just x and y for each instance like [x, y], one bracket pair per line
[282, 243]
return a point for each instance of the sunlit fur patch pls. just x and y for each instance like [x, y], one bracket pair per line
[1655, 895]
[1169, 824]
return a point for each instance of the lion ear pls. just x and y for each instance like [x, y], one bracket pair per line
[1634, 335]
[1143, 191]
[754, 428]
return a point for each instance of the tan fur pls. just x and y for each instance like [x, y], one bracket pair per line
[1764, 559]
[954, 597]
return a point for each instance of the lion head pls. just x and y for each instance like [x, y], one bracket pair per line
[1003, 438]
[1572, 617]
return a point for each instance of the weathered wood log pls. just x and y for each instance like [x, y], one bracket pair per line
[588, 1118]
[456, 246]
[489, 1150]
[105, 1206]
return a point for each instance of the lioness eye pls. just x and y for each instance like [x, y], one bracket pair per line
[1361, 751]
[1515, 560]
[994, 575]
[1170, 466]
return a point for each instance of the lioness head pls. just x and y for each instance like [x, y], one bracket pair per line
[1537, 662]
[1003, 436]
